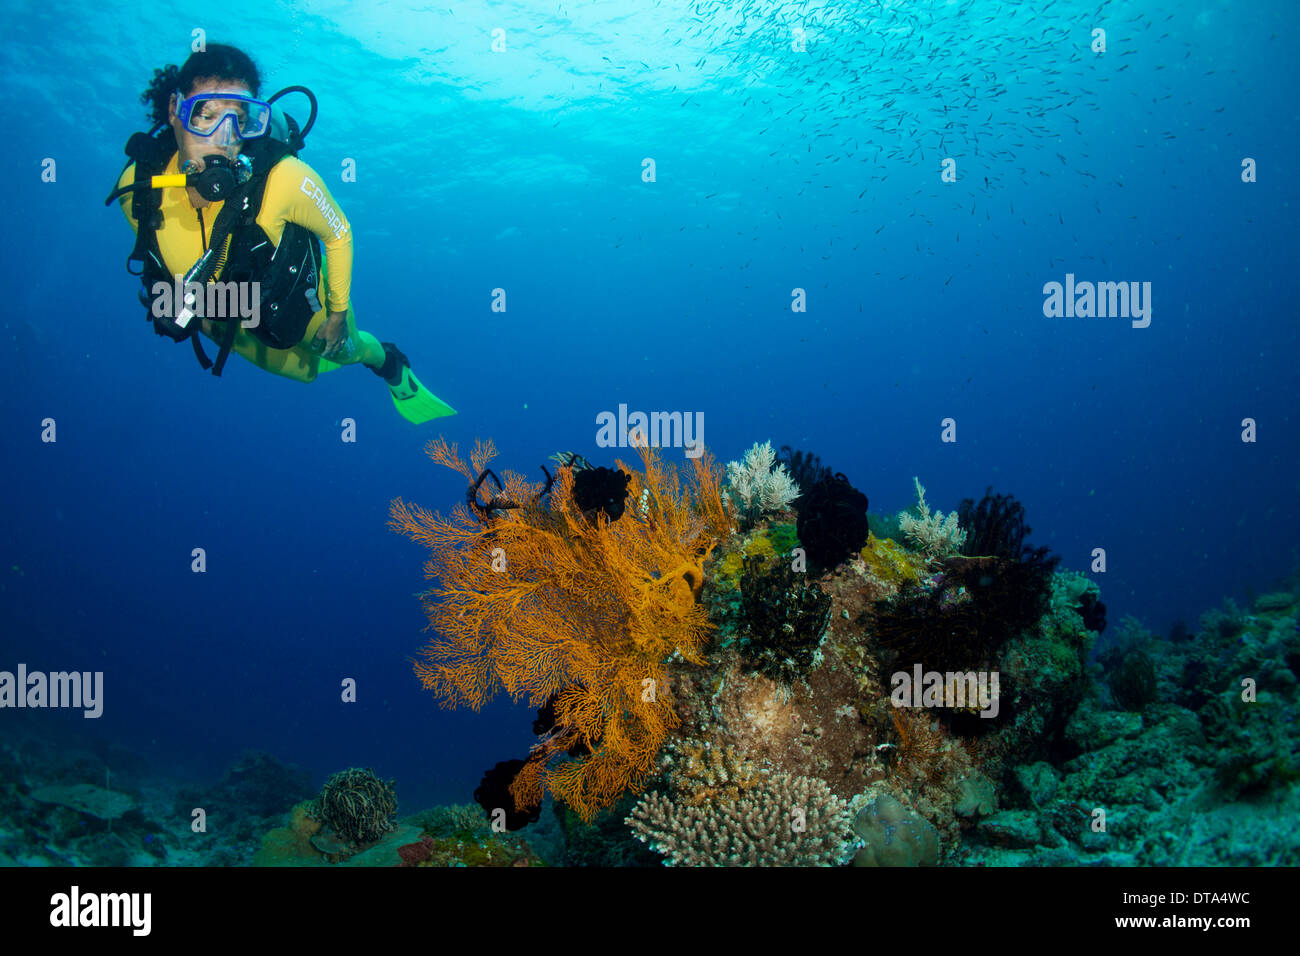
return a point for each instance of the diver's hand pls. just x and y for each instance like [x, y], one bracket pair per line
[332, 336]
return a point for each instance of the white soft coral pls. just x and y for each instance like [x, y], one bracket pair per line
[934, 534]
[755, 487]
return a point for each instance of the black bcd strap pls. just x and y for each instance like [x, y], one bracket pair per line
[150, 152]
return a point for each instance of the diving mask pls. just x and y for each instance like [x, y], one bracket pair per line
[228, 116]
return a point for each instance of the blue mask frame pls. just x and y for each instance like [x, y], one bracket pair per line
[254, 122]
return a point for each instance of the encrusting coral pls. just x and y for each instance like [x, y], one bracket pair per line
[767, 542]
[87, 798]
[468, 849]
[548, 602]
[702, 772]
[891, 563]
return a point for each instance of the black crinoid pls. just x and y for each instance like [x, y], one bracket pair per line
[601, 489]
[996, 527]
[783, 619]
[832, 521]
[493, 794]
[1021, 578]
[1094, 612]
[1131, 676]
[596, 489]
[978, 600]
[804, 467]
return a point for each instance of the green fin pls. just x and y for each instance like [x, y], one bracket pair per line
[416, 403]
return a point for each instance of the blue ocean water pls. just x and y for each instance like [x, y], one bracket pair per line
[523, 168]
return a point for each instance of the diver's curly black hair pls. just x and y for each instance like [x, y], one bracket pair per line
[219, 60]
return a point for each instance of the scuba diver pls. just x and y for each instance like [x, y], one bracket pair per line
[226, 214]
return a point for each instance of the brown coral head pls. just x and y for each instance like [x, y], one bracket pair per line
[893, 835]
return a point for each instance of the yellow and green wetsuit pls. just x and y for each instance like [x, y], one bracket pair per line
[294, 193]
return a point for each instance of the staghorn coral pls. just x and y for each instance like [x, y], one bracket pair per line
[935, 535]
[546, 602]
[779, 819]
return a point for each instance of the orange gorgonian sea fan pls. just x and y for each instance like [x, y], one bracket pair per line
[543, 601]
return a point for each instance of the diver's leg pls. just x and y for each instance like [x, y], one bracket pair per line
[357, 347]
[371, 349]
[411, 399]
[363, 347]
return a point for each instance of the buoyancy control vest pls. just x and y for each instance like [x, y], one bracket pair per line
[238, 251]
